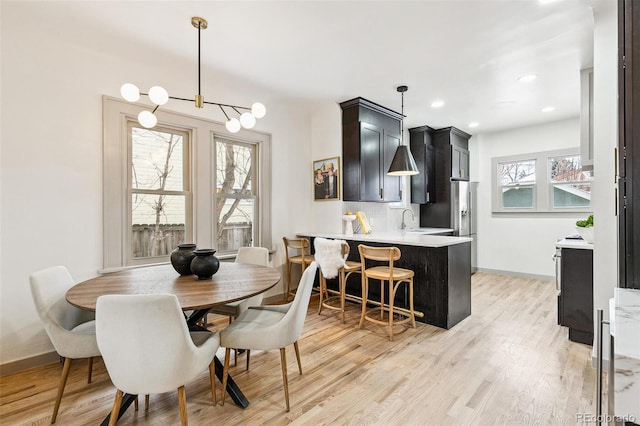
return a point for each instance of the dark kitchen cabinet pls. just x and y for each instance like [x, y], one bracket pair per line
[453, 147]
[370, 137]
[424, 153]
[575, 301]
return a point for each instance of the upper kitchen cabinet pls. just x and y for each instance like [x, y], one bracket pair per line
[370, 137]
[423, 151]
[452, 151]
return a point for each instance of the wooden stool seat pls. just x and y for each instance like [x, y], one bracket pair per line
[299, 260]
[349, 268]
[395, 277]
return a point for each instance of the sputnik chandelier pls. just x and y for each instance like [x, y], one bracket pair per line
[159, 96]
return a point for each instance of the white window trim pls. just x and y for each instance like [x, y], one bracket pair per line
[116, 113]
[543, 202]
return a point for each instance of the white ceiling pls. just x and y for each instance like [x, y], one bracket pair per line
[467, 53]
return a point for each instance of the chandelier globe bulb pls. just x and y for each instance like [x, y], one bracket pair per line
[130, 92]
[147, 119]
[158, 95]
[258, 110]
[233, 125]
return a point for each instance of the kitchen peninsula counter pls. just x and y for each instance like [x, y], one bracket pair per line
[442, 267]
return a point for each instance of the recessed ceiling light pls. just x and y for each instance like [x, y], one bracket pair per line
[437, 104]
[527, 78]
[474, 124]
[548, 109]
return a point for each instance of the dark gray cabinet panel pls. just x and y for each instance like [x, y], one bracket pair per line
[575, 301]
[424, 153]
[370, 137]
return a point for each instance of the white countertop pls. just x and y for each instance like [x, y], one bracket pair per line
[624, 319]
[407, 238]
[624, 324]
[574, 244]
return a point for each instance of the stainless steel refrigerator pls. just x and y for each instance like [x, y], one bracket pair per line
[454, 208]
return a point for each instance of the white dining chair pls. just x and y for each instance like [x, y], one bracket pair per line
[270, 327]
[147, 347]
[252, 256]
[70, 329]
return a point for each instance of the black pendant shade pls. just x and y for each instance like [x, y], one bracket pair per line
[403, 163]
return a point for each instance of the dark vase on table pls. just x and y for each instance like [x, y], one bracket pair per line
[181, 258]
[205, 264]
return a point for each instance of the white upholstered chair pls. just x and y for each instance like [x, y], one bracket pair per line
[252, 256]
[70, 329]
[270, 327]
[147, 348]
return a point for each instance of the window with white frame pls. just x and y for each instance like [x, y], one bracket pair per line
[549, 181]
[159, 185]
[235, 194]
[186, 180]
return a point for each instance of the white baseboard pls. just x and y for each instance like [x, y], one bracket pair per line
[516, 274]
[26, 363]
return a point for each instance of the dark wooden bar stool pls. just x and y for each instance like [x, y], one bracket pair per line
[394, 277]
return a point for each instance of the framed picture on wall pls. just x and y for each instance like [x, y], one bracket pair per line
[326, 179]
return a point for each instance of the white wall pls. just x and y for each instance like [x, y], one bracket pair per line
[521, 243]
[605, 136]
[51, 144]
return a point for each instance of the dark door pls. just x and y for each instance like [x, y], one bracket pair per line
[629, 143]
[392, 184]
[371, 138]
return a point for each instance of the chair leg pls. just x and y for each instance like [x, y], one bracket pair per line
[248, 355]
[342, 282]
[135, 404]
[90, 369]
[381, 300]
[116, 408]
[235, 357]
[63, 381]
[283, 361]
[323, 289]
[392, 296]
[365, 291]
[212, 377]
[286, 294]
[182, 401]
[146, 403]
[413, 316]
[225, 373]
[295, 345]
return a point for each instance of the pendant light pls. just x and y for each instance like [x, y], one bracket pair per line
[403, 163]
[160, 96]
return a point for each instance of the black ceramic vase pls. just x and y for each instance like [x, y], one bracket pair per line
[181, 258]
[205, 264]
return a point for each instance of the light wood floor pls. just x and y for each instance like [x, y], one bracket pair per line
[507, 364]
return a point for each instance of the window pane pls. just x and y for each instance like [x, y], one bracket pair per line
[234, 168]
[572, 195]
[519, 197]
[156, 160]
[158, 224]
[571, 185]
[235, 195]
[237, 230]
[517, 173]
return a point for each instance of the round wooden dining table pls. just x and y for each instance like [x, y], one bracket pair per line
[231, 283]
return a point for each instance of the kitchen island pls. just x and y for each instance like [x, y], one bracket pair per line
[442, 267]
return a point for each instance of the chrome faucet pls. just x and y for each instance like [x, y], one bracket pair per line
[413, 217]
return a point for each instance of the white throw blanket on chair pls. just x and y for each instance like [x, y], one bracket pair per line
[328, 255]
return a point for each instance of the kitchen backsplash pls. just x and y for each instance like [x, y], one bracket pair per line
[383, 218]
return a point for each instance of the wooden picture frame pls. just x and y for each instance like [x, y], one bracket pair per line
[326, 179]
